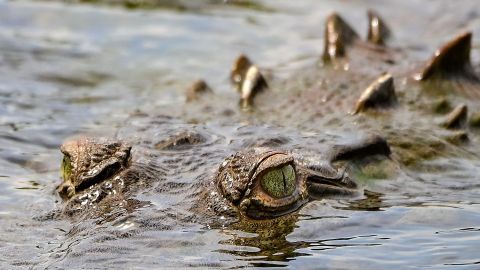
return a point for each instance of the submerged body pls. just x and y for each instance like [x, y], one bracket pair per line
[268, 180]
[256, 183]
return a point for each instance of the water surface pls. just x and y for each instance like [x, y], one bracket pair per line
[85, 68]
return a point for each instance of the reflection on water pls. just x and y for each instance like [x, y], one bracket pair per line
[263, 242]
[371, 202]
[92, 67]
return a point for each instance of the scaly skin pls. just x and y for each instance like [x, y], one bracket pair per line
[426, 112]
[98, 175]
[87, 162]
[242, 180]
[256, 183]
[262, 183]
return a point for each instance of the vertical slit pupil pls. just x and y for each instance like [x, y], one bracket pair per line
[279, 182]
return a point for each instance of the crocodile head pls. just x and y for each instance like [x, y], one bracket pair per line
[89, 161]
[266, 184]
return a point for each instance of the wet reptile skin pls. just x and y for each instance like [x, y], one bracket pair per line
[316, 101]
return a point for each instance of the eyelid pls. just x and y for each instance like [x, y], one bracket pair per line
[282, 159]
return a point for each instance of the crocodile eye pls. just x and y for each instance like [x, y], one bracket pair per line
[66, 168]
[279, 182]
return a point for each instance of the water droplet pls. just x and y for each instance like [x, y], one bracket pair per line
[107, 185]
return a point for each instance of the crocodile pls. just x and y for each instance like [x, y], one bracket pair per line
[256, 183]
[424, 117]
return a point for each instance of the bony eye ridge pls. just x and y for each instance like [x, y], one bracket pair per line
[279, 182]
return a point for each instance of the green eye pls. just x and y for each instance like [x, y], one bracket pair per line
[66, 168]
[279, 182]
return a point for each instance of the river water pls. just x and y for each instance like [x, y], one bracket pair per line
[84, 68]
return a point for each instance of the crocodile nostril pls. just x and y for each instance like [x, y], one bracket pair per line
[339, 181]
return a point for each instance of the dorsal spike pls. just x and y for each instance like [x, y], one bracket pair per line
[197, 89]
[253, 83]
[475, 120]
[381, 93]
[378, 31]
[338, 35]
[451, 58]
[239, 69]
[457, 118]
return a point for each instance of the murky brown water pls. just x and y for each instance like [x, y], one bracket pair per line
[85, 69]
